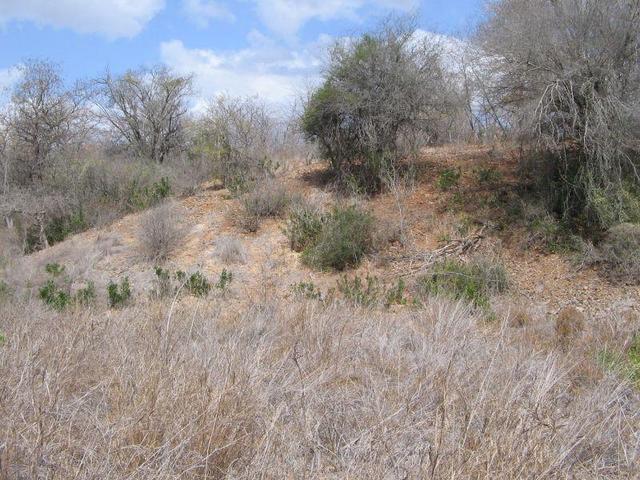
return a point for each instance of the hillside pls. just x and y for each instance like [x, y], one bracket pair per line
[257, 381]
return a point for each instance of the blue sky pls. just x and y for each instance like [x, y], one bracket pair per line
[271, 48]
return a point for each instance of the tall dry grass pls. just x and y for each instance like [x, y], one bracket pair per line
[199, 390]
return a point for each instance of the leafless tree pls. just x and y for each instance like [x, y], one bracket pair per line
[146, 109]
[43, 115]
[240, 137]
[569, 73]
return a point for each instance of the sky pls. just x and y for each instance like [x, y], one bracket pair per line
[271, 48]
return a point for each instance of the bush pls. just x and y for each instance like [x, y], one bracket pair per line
[473, 282]
[226, 277]
[371, 291]
[568, 93]
[269, 198]
[196, 283]
[159, 232]
[54, 296]
[381, 98]
[620, 252]
[119, 295]
[303, 226]
[306, 290]
[448, 178]
[345, 238]
[230, 250]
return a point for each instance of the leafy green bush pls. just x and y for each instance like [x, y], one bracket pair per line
[473, 282]
[196, 283]
[119, 295]
[141, 197]
[346, 236]
[449, 178]
[225, 280]
[54, 296]
[303, 226]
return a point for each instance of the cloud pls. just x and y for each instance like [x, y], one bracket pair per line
[201, 12]
[286, 17]
[8, 78]
[265, 68]
[111, 18]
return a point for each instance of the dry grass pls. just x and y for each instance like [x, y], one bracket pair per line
[230, 250]
[201, 390]
[160, 232]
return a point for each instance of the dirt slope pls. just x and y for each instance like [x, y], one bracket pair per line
[541, 282]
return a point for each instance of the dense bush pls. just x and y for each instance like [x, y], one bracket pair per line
[346, 236]
[303, 225]
[119, 294]
[568, 73]
[382, 95]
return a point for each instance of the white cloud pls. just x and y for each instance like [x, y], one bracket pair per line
[265, 68]
[286, 17]
[111, 18]
[201, 12]
[8, 78]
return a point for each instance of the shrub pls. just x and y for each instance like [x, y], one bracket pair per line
[365, 293]
[473, 282]
[568, 94]
[381, 98]
[449, 178]
[225, 280]
[269, 198]
[306, 290]
[54, 296]
[159, 232]
[86, 295]
[163, 286]
[620, 252]
[230, 250]
[488, 175]
[119, 295]
[303, 226]
[346, 236]
[196, 283]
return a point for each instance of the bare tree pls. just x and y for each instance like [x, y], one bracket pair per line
[569, 73]
[241, 139]
[146, 109]
[43, 115]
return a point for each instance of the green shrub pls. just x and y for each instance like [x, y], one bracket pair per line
[86, 295]
[3, 339]
[449, 178]
[54, 269]
[54, 296]
[141, 197]
[196, 283]
[346, 236]
[473, 282]
[225, 280]
[365, 293]
[488, 175]
[625, 364]
[306, 290]
[303, 226]
[395, 295]
[163, 285]
[119, 295]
